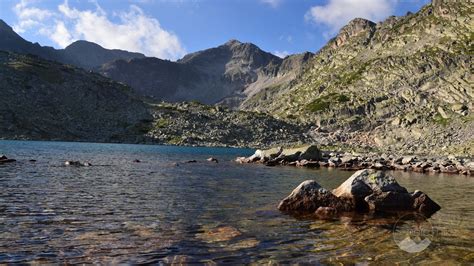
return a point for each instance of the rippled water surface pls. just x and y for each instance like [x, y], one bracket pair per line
[165, 210]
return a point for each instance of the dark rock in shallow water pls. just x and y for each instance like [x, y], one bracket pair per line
[212, 160]
[366, 190]
[423, 204]
[4, 159]
[308, 197]
[389, 201]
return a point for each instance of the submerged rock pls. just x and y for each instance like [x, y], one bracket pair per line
[365, 191]
[218, 234]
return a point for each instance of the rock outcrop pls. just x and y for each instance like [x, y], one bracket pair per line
[365, 191]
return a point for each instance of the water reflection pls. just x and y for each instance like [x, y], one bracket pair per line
[157, 211]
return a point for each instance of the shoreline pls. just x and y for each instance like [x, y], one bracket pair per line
[300, 157]
[341, 160]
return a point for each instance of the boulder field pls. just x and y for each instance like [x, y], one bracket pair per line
[366, 191]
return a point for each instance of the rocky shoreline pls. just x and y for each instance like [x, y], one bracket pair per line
[310, 156]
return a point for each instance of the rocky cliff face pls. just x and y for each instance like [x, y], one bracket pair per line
[44, 100]
[402, 84]
[227, 74]
[80, 53]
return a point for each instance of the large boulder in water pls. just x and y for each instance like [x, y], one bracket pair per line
[366, 190]
[364, 183]
[308, 197]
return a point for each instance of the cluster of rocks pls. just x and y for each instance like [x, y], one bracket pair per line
[365, 191]
[5, 159]
[311, 156]
[77, 163]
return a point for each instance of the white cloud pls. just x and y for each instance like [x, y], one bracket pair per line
[281, 54]
[272, 3]
[133, 31]
[61, 35]
[28, 16]
[337, 13]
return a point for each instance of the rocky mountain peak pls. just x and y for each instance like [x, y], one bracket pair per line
[353, 28]
[232, 42]
[82, 44]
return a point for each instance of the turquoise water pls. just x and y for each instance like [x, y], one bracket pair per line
[163, 210]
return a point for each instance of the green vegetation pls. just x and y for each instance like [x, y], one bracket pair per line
[318, 105]
[175, 140]
[441, 120]
[162, 123]
[343, 98]
[323, 103]
[350, 77]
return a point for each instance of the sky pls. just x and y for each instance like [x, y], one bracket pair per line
[169, 29]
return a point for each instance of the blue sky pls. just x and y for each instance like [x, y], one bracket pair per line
[170, 28]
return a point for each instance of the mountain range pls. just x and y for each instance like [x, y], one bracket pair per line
[403, 84]
[228, 74]
[83, 54]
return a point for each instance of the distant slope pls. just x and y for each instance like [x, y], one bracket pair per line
[41, 99]
[227, 74]
[90, 55]
[84, 54]
[406, 82]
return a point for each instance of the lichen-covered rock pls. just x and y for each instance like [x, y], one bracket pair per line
[364, 183]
